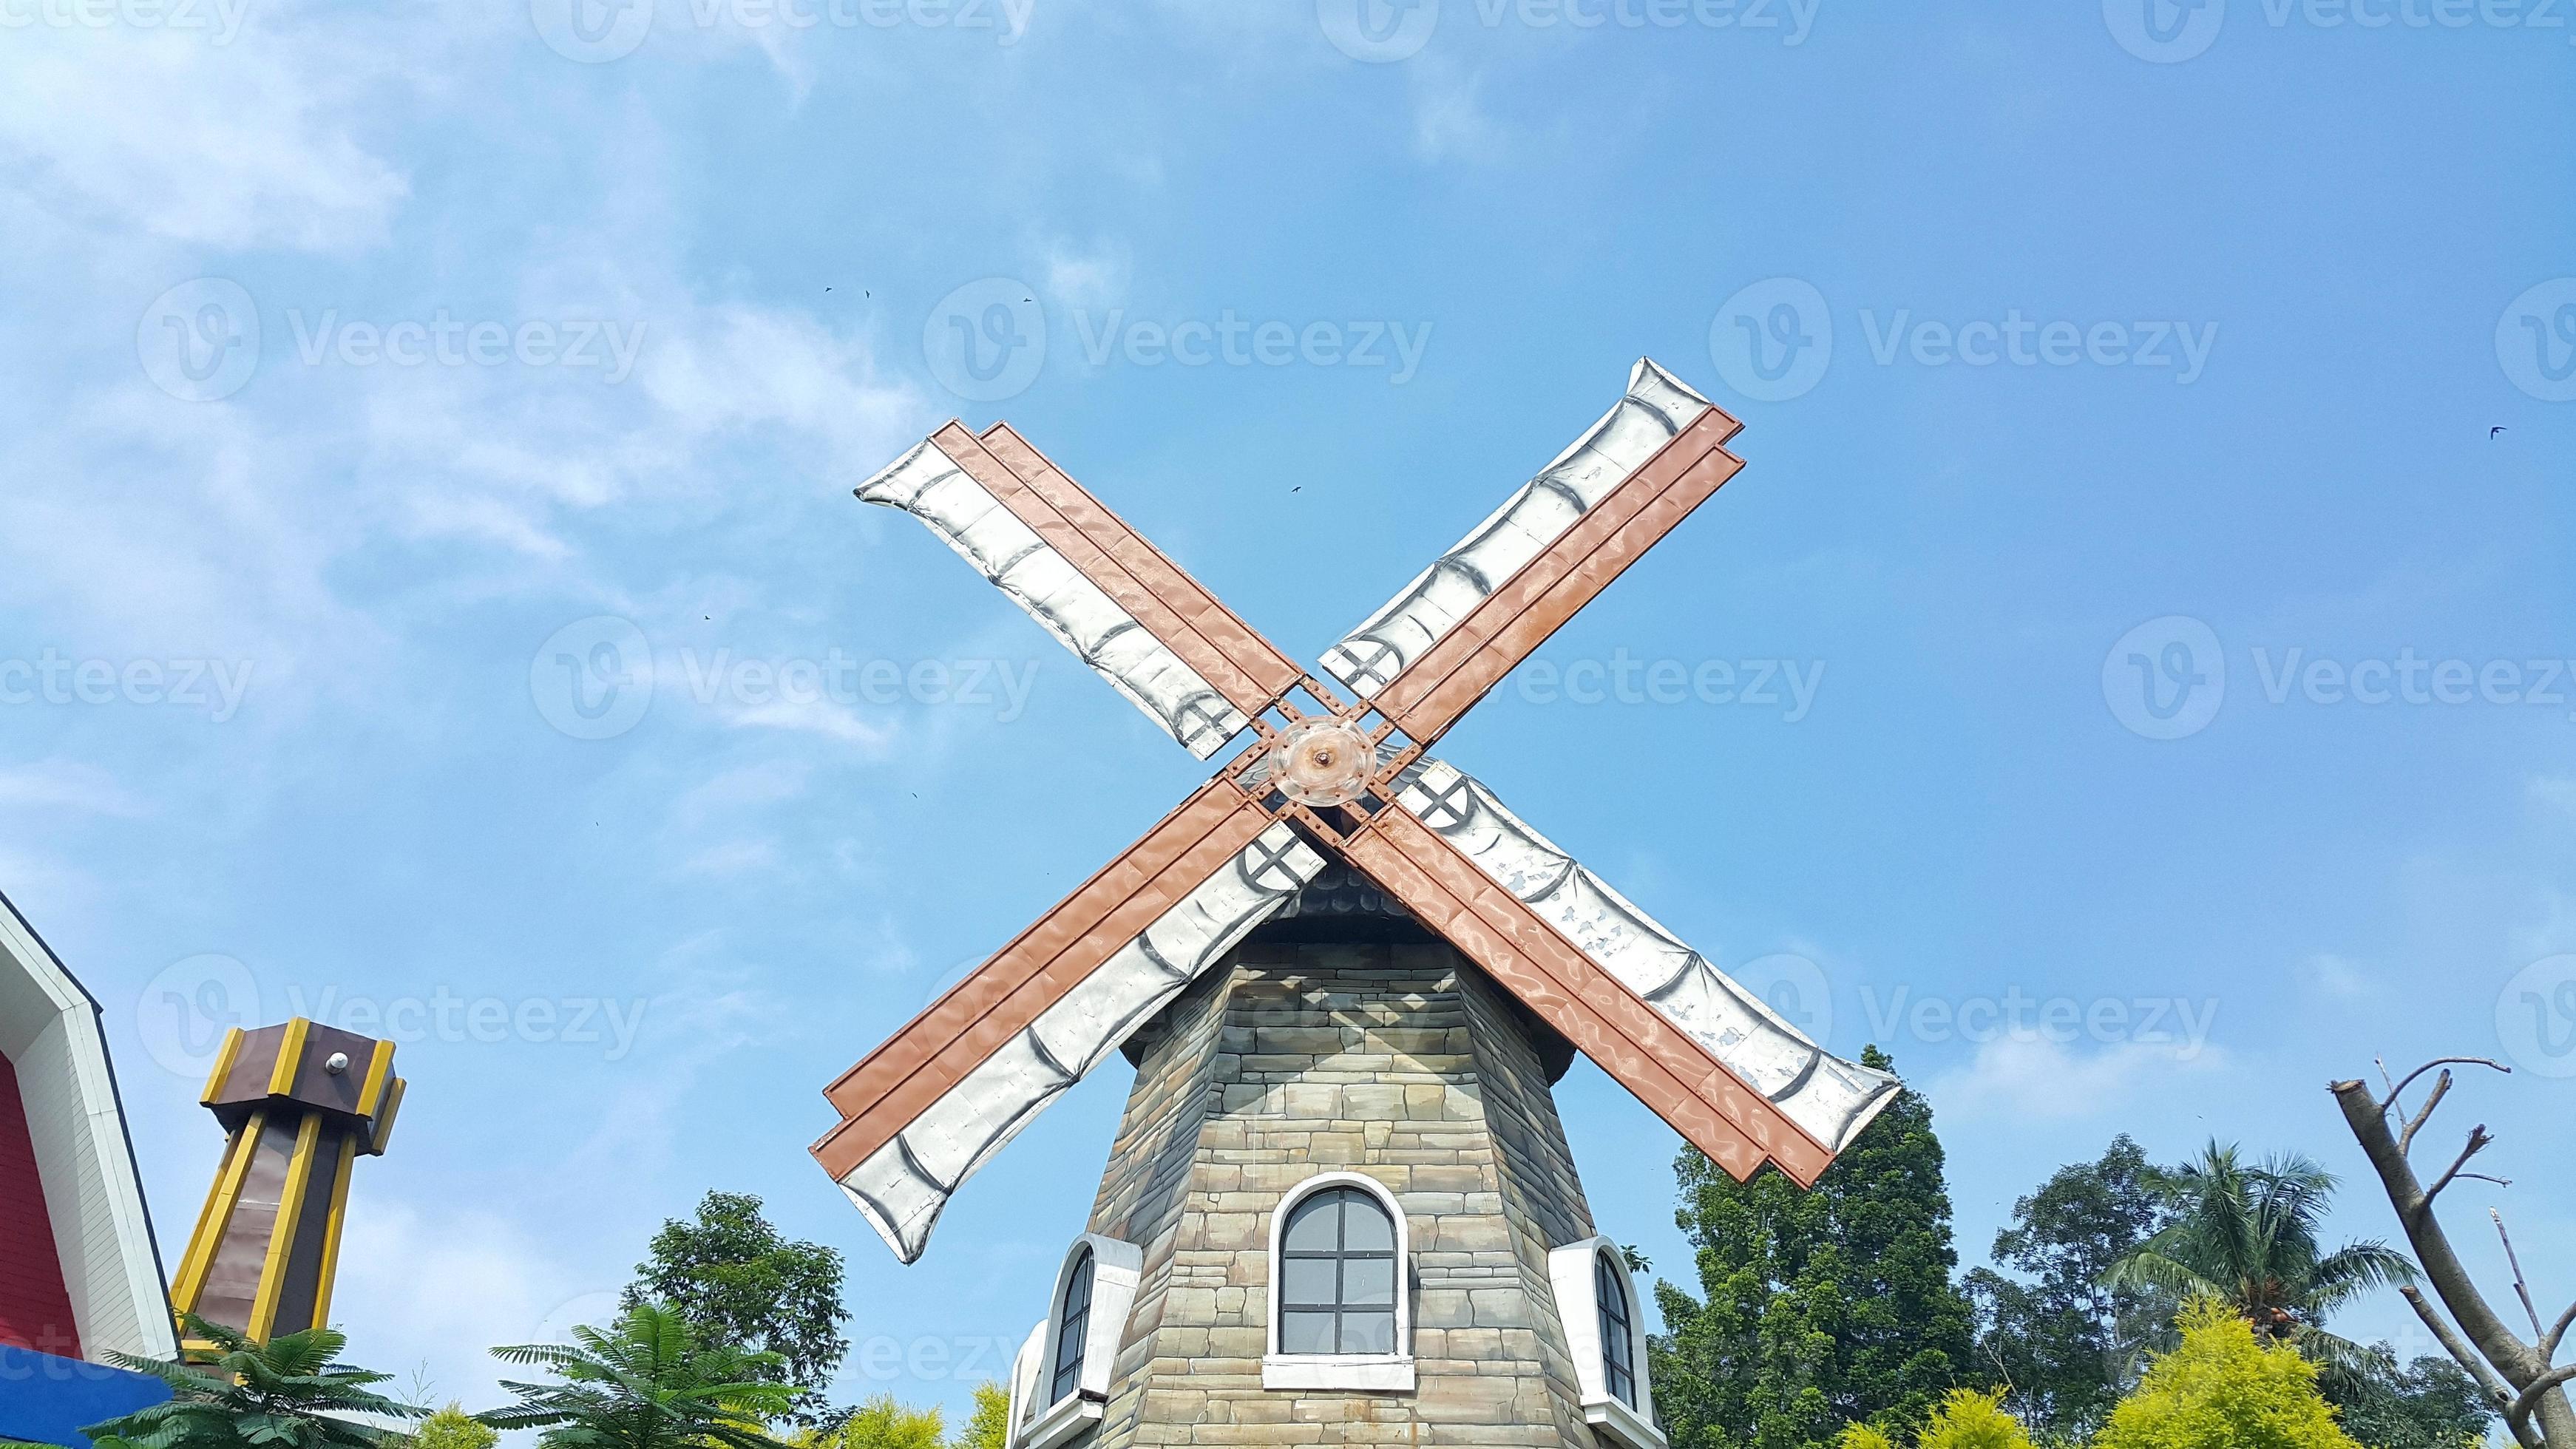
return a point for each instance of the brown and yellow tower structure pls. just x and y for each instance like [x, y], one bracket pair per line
[301, 1102]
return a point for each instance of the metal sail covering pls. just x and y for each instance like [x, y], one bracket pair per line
[935, 1102]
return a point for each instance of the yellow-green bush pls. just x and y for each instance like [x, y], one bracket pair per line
[1964, 1420]
[2220, 1389]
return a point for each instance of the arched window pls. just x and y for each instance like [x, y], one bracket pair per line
[1072, 1328]
[1618, 1329]
[1337, 1275]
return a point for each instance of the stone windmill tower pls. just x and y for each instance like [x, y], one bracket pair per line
[1340, 1209]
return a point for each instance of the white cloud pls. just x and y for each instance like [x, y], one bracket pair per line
[2327, 974]
[2026, 1077]
[428, 1291]
[59, 785]
[2553, 792]
[237, 142]
[1078, 278]
[1450, 122]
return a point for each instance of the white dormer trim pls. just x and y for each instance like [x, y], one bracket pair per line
[1368, 1373]
[1578, 1308]
[1116, 1268]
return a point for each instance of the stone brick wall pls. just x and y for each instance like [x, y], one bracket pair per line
[1394, 1060]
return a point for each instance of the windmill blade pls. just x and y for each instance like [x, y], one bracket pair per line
[1458, 628]
[926, 1110]
[1113, 599]
[1829, 1100]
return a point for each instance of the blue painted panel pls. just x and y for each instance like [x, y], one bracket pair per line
[45, 1399]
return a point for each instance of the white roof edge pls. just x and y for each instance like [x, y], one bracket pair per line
[102, 1105]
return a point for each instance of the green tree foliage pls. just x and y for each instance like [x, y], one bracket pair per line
[991, 1422]
[2247, 1236]
[2064, 1343]
[450, 1428]
[1818, 1308]
[646, 1382]
[880, 1423]
[2224, 1388]
[2428, 1404]
[286, 1393]
[743, 1285]
[1964, 1419]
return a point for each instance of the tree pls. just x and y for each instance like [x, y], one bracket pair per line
[2064, 1343]
[2429, 1404]
[2516, 1375]
[450, 1428]
[2224, 1388]
[743, 1285]
[992, 1421]
[1819, 1308]
[2247, 1237]
[1965, 1419]
[645, 1383]
[282, 1394]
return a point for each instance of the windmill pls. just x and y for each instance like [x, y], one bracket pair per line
[1348, 976]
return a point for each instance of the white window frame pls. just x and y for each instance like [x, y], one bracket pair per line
[1578, 1309]
[1116, 1267]
[1367, 1373]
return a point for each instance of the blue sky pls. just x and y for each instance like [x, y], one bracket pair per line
[2182, 644]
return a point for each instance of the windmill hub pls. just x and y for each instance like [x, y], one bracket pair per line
[1323, 761]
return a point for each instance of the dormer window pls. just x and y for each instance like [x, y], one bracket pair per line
[1060, 1380]
[1596, 1302]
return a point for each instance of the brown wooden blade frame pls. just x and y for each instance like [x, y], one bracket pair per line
[898, 1081]
[1674, 1076]
[1430, 694]
[1170, 605]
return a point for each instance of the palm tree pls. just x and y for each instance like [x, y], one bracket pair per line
[645, 1383]
[282, 1394]
[2247, 1237]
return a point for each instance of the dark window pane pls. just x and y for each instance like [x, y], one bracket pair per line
[1365, 1228]
[1072, 1326]
[1368, 1333]
[1306, 1333]
[1368, 1282]
[1313, 1224]
[1306, 1283]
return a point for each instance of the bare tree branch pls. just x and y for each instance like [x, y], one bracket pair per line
[2458, 1348]
[2415, 1124]
[2518, 1413]
[2521, 1288]
[2478, 1140]
[2557, 1331]
[2391, 1100]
